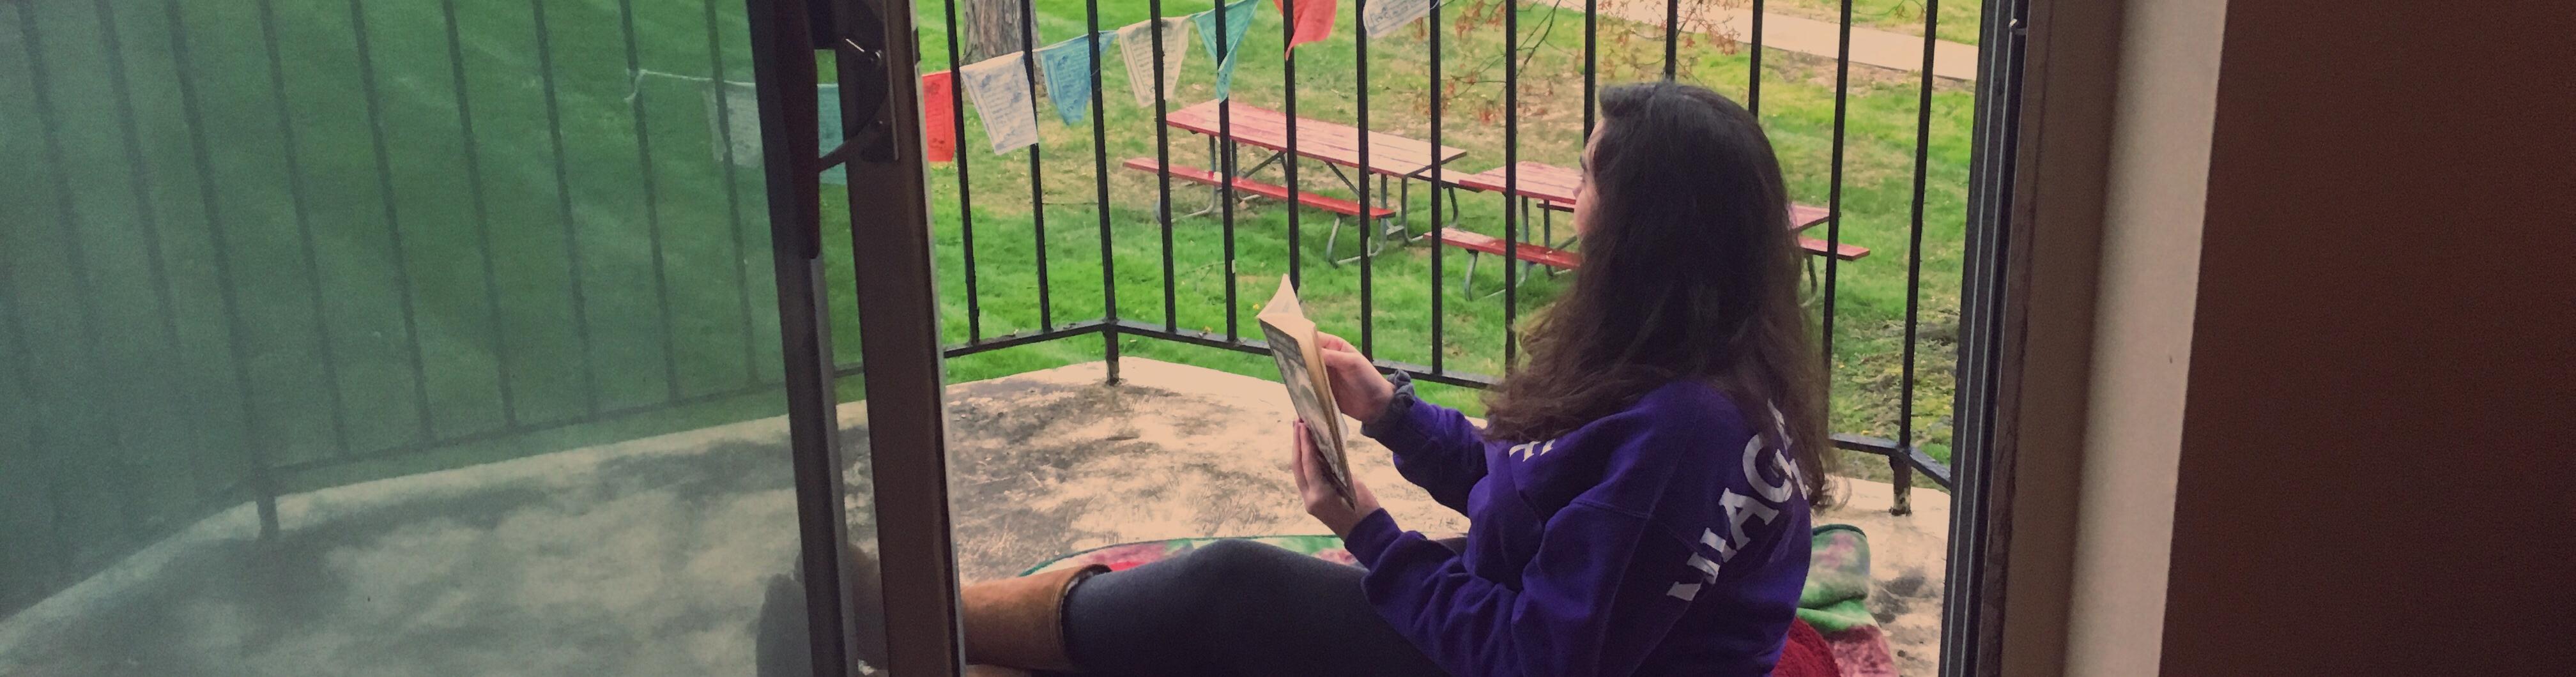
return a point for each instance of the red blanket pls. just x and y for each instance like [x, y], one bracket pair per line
[1806, 654]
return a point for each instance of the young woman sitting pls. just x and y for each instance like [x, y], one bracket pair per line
[1638, 502]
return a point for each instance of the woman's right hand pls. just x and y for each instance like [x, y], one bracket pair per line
[1357, 387]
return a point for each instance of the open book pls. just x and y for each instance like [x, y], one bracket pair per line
[1301, 366]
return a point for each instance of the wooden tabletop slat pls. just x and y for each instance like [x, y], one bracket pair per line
[1802, 217]
[1537, 179]
[1559, 186]
[1327, 141]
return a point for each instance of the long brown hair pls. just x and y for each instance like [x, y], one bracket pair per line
[1690, 272]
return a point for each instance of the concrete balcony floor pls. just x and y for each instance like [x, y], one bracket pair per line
[646, 557]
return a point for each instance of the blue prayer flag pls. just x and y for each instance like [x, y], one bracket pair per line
[1238, 21]
[1068, 67]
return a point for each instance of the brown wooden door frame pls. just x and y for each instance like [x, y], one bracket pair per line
[873, 49]
[1989, 331]
[899, 313]
[2044, 102]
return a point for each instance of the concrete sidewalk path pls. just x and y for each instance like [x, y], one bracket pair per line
[1808, 36]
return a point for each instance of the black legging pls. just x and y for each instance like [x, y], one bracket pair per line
[1235, 608]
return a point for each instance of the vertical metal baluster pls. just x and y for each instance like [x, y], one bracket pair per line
[145, 214]
[1834, 199]
[1037, 173]
[965, 191]
[1672, 37]
[67, 214]
[1438, 185]
[1225, 171]
[1753, 76]
[147, 217]
[733, 193]
[237, 342]
[1512, 264]
[76, 260]
[39, 434]
[1993, 138]
[482, 211]
[1591, 62]
[1288, 158]
[1902, 464]
[393, 220]
[304, 228]
[1100, 183]
[652, 206]
[1163, 179]
[563, 207]
[1375, 230]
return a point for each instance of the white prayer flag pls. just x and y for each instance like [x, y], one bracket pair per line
[1138, 46]
[1384, 16]
[740, 104]
[999, 87]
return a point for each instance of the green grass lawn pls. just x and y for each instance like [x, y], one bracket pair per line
[381, 279]
[1797, 105]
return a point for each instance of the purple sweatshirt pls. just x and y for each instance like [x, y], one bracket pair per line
[1666, 539]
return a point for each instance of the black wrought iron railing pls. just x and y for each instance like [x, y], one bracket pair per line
[1903, 455]
[329, 242]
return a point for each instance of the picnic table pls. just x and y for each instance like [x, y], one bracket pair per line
[1551, 185]
[1390, 157]
[1556, 189]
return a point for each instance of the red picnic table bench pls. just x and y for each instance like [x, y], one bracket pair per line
[1554, 189]
[1390, 157]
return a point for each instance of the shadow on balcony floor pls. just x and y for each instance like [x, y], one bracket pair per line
[645, 557]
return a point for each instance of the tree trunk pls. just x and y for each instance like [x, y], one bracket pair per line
[992, 28]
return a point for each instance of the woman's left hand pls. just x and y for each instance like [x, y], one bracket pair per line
[1315, 487]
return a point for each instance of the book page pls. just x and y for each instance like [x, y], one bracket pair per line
[1310, 392]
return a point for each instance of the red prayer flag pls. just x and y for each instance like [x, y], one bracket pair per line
[1313, 19]
[939, 116]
